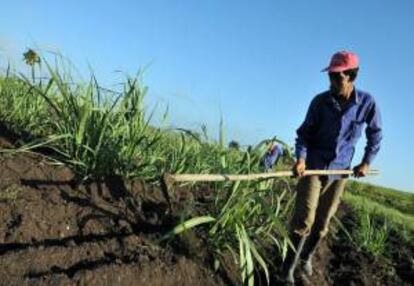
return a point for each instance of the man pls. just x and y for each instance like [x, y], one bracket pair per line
[326, 140]
[273, 153]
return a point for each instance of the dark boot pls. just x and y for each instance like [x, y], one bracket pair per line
[307, 253]
[292, 258]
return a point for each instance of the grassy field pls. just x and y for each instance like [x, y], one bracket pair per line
[380, 213]
[402, 201]
[395, 206]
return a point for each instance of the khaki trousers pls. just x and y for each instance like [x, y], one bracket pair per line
[317, 200]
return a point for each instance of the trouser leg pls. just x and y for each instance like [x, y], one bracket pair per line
[328, 205]
[307, 196]
[329, 200]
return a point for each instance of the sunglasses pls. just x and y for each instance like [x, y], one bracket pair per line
[338, 75]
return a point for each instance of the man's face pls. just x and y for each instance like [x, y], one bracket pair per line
[340, 82]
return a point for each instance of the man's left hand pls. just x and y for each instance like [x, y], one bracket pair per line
[361, 170]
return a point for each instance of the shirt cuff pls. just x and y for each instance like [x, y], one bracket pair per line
[300, 154]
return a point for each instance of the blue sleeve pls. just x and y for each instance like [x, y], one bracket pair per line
[373, 133]
[271, 157]
[305, 130]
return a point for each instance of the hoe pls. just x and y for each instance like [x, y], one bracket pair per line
[168, 179]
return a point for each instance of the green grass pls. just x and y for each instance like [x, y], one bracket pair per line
[378, 213]
[371, 233]
[402, 223]
[402, 201]
[21, 107]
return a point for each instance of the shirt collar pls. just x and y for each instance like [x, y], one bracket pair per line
[355, 97]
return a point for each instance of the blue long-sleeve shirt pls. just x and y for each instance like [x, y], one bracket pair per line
[271, 156]
[327, 137]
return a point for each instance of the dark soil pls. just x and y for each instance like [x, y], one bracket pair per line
[55, 231]
[348, 266]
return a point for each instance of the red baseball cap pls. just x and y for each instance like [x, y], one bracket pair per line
[342, 61]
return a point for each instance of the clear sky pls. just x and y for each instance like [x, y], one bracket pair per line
[256, 62]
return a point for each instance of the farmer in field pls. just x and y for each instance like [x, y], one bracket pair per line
[273, 153]
[326, 140]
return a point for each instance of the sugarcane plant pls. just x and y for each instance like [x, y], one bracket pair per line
[247, 219]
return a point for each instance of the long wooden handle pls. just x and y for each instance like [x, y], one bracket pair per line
[250, 177]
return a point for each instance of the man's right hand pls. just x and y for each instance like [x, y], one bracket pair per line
[299, 167]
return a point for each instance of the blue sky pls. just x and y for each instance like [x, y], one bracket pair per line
[256, 62]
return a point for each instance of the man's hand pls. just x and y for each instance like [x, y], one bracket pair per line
[361, 170]
[299, 167]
